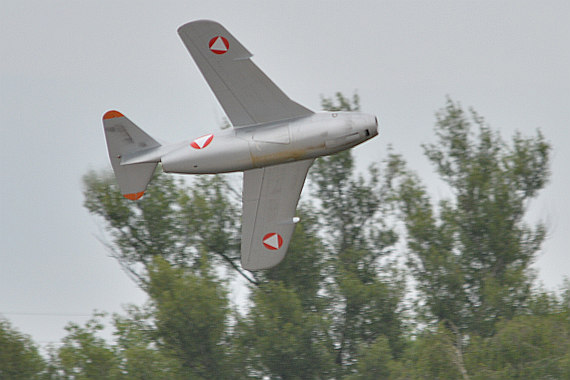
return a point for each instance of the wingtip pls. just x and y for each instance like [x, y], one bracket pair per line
[134, 196]
[112, 115]
[200, 21]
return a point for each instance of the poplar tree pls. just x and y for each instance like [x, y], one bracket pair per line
[471, 253]
[365, 287]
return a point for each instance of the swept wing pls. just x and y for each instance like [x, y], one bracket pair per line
[250, 98]
[270, 197]
[246, 94]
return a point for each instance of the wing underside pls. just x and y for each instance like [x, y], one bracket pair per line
[246, 94]
[270, 197]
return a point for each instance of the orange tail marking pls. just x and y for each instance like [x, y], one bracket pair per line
[134, 196]
[112, 114]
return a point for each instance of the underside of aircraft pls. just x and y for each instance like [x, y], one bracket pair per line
[274, 141]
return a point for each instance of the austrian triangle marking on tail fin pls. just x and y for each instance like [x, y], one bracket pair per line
[124, 138]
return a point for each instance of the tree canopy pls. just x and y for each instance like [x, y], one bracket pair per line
[380, 281]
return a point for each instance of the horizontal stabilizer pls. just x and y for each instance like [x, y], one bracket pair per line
[125, 139]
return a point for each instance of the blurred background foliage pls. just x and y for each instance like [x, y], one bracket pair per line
[380, 282]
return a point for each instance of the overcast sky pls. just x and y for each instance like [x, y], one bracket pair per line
[64, 63]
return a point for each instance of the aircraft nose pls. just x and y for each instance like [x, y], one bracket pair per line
[373, 125]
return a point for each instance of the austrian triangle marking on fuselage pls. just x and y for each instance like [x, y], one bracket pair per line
[202, 142]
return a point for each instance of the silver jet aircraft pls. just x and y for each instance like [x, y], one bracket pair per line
[274, 141]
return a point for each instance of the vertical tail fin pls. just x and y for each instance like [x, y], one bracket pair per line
[125, 139]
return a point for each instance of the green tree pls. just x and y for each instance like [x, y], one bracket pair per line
[136, 345]
[181, 334]
[343, 285]
[182, 224]
[86, 355]
[526, 347]
[19, 356]
[434, 355]
[303, 269]
[376, 362]
[531, 346]
[334, 307]
[285, 341]
[191, 318]
[285, 333]
[366, 290]
[471, 257]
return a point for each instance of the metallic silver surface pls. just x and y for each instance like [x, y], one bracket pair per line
[274, 142]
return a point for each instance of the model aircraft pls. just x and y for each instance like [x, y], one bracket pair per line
[274, 141]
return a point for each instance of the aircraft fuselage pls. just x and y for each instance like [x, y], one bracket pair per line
[247, 148]
[274, 141]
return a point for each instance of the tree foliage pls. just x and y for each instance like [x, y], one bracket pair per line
[190, 318]
[86, 355]
[19, 356]
[526, 347]
[336, 307]
[366, 289]
[471, 256]
[184, 225]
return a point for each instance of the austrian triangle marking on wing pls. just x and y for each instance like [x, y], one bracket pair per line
[247, 95]
[272, 241]
[219, 46]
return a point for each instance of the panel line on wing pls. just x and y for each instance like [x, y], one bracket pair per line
[275, 191]
[228, 89]
[252, 187]
[258, 197]
[247, 95]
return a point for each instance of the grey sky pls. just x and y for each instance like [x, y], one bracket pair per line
[64, 63]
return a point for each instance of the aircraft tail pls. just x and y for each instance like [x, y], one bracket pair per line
[124, 141]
